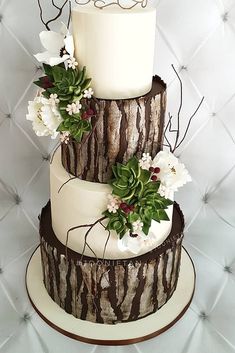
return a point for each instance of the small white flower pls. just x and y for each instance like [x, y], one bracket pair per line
[137, 226]
[74, 108]
[113, 203]
[59, 46]
[72, 63]
[172, 175]
[146, 161]
[88, 93]
[44, 116]
[54, 99]
[64, 137]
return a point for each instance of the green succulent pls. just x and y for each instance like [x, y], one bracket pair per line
[140, 197]
[69, 85]
[129, 179]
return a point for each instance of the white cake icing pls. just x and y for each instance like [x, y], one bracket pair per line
[82, 202]
[117, 47]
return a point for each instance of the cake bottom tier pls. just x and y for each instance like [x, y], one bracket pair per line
[110, 291]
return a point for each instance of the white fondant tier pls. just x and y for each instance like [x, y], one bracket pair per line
[117, 47]
[82, 202]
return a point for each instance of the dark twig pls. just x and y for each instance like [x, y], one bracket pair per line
[90, 226]
[66, 182]
[69, 19]
[189, 123]
[60, 10]
[180, 107]
[107, 240]
[176, 131]
[53, 154]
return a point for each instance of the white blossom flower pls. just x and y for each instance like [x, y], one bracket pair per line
[137, 242]
[59, 46]
[54, 99]
[44, 116]
[146, 161]
[113, 203]
[74, 108]
[88, 93]
[72, 63]
[172, 175]
[137, 226]
[64, 137]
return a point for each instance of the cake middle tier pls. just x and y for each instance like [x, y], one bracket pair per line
[78, 202]
[120, 130]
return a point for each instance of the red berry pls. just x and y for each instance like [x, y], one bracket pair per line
[131, 207]
[151, 169]
[157, 170]
[123, 205]
[153, 177]
[90, 112]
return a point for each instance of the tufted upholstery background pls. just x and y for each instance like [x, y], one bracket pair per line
[198, 37]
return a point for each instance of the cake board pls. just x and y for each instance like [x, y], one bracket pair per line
[118, 334]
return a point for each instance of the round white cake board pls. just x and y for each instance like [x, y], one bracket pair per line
[119, 334]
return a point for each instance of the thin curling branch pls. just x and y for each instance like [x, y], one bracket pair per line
[60, 11]
[178, 141]
[180, 107]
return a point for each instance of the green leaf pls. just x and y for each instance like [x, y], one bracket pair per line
[58, 73]
[85, 84]
[47, 69]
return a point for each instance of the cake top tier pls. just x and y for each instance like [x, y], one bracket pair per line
[117, 48]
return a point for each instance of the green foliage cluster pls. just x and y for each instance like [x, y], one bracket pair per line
[139, 194]
[69, 85]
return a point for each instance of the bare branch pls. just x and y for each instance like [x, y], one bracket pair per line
[180, 107]
[189, 123]
[60, 10]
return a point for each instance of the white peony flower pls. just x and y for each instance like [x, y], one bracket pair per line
[59, 46]
[136, 243]
[74, 108]
[88, 93]
[172, 175]
[72, 63]
[44, 116]
[146, 161]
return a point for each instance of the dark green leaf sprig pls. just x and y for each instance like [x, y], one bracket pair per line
[69, 86]
[139, 199]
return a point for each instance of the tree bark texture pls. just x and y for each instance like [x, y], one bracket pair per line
[110, 291]
[120, 130]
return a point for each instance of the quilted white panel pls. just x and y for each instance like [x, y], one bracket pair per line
[198, 37]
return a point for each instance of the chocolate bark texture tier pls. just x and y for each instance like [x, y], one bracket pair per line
[120, 129]
[110, 291]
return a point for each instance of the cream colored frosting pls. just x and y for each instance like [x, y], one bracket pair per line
[117, 47]
[82, 202]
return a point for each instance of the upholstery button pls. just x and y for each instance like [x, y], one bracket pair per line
[227, 269]
[26, 317]
[214, 114]
[45, 158]
[8, 116]
[203, 315]
[1, 17]
[18, 199]
[183, 67]
[1, 270]
[205, 198]
[225, 17]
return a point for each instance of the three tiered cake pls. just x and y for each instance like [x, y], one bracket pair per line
[111, 234]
